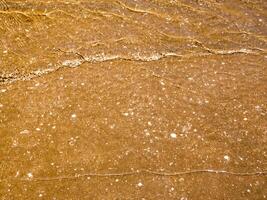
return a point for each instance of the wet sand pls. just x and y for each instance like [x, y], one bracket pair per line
[133, 99]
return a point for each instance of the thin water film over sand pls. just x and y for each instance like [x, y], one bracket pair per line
[159, 99]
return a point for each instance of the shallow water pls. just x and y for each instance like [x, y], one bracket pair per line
[133, 99]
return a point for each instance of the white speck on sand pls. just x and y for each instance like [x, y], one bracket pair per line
[17, 174]
[147, 132]
[173, 135]
[112, 126]
[30, 175]
[226, 157]
[140, 184]
[25, 131]
[73, 116]
[125, 114]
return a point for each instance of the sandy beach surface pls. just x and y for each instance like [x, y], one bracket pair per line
[149, 100]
